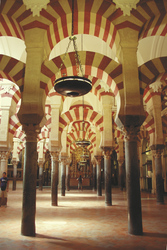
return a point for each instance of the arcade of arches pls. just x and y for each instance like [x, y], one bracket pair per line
[124, 55]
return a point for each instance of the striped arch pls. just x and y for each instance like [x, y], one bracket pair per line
[118, 134]
[10, 27]
[92, 17]
[14, 124]
[3, 75]
[78, 133]
[148, 94]
[77, 114]
[14, 94]
[45, 133]
[21, 147]
[12, 69]
[19, 133]
[149, 124]
[143, 133]
[151, 71]
[155, 26]
[94, 65]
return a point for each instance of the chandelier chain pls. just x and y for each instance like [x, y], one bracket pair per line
[64, 57]
[73, 38]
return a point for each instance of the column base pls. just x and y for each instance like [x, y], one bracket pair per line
[108, 204]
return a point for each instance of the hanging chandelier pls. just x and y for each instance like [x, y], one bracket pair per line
[73, 86]
[83, 142]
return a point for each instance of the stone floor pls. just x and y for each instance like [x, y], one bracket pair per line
[81, 221]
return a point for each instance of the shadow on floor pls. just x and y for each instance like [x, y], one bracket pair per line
[155, 235]
[48, 237]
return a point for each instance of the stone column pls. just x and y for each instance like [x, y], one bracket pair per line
[133, 182]
[107, 173]
[121, 164]
[98, 166]
[15, 160]
[29, 181]
[68, 177]
[14, 174]
[54, 177]
[158, 172]
[4, 161]
[63, 175]
[40, 163]
[153, 176]
[94, 176]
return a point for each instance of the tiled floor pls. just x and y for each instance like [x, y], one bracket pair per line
[81, 221]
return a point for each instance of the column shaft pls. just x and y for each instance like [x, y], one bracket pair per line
[133, 188]
[54, 179]
[107, 169]
[68, 177]
[41, 176]
[94, 178]
[159, 179]
[4, 159]
[99, 187]
[14, 175]
[63, 177]
[29, 186]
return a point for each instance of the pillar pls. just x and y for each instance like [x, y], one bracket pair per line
[153, 176]
[68, 177]
[132, 182]
[98, 166]
[158, 173]
[121, 164]
[14, 174]
[4, 161]
[94, 176]
[54, 177]
[29, 182]
[40, 163]
[15, 160]
[107, 174]
[63, 175]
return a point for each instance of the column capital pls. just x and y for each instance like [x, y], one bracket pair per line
[40, 162]
[98, 159]
[157, 153]
[55, 155]
[14, 161]
[157, 150]
[64, 159]
[4, 155]
[93, 161]
[107, 151]
[31, 132]
[121, 161]
[130, 133]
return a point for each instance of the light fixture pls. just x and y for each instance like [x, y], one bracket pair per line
[83, 143]
[73, 86]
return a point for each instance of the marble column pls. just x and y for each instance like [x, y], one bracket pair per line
[98, 166]
[158, 172]
[68, 177]
[107, 173]
[4, 161]
[54, 177]
[133, 182]
[63, 175]
[40, 163]
[14, 174]
[29, 182]
[121, 172]
[121, 164]
[94, 176]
